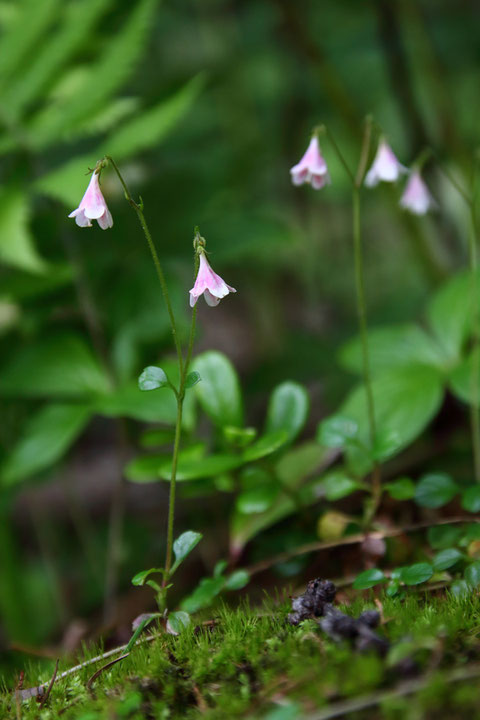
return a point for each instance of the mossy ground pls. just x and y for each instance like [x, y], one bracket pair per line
[253, 664]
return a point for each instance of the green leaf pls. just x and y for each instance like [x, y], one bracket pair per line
[105, 76]
[178, 621]
[239, 437]
[144, 469]
[157, 437]
[203, 595]
[337, 431]
[219, 392]
[387, 442]
[472, 574]
[130, 401]
[444, 536]
[287, 409]
[204, 467]
[446, 559]
[401, 489]
[192, 379]
[405, 398]
[391, 347]
[141, 577]
[265, 445]
[460, 589]
[416, 574]
[471, 499]
[45, 439]
[460, 380]
[368, 579]
[152, 378]
[152, 125]
[435, 490]
[472, 532]
[183, 546]
[237, 580]
[16, 243]
[450, 315]
[62, 366]
[219, 568]
[257, 499]
[338, 485]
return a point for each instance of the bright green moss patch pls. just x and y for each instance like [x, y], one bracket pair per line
[252, 664]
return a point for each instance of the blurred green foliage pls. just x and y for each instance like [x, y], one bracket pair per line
[206, 105]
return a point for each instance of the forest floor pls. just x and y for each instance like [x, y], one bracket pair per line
[251, 663]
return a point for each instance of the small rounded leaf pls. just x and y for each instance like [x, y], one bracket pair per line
[446, 559]
[435, 490]
[184, 545]
[338, 485]
[416, 574]
[471, 499]
[152, 378]
[368, 579]
[192, 379]
[472, 574]
[401, 489]
[177, 622]
[140, 577]
[237, 580]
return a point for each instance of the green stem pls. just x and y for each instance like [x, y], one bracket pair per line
[138, 207]
[362, 318]
[474, 405]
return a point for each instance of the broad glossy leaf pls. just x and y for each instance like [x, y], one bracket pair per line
[287, 409]
[446, 559]
[62, 366]
[265, 445]
[183, 546]
[47, 436]
[219, 392]
[416, 574]
[393, 346]
[435, 490]
[369, 579]
[337, 431]
[406, 399]
[450, 315]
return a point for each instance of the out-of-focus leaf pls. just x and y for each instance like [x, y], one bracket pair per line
[416, 574]
[450, 315]
[472, 574]
[62, 366]
[444, 536]
[257, 499]
[435, 490]
[471, 499]
[391, 347]
[239, 437]
[401, 489]
[130, 401]
[446, 559]
[219, 392]
[237, 580]
[338, 485]
[178, 621]
[46, 438]
[461, 381]
[369, 579]
[16, 243]
[204, 594]
[336, 431]
[265, 445]
[405, 399]
[183, 546]
[200, 468]
[152, 378]
[287, 409]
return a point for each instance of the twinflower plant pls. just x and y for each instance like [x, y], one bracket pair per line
[213, 288]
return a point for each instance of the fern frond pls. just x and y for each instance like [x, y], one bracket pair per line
[78, 22]
[33, 19]
[104, 79]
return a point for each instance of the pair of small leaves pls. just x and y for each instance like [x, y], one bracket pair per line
[437, 489]
[153, 378]
[182, 547]
[209, 588]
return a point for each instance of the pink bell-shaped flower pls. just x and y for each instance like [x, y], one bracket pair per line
[93, 207]
[208, 284]
[384, 167]
[312, 168]
[417, 197]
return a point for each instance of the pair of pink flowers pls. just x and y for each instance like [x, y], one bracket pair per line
[416, 197]
[94, 207]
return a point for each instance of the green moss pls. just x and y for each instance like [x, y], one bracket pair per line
[251, 660]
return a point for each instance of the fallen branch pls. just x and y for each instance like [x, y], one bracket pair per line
[96, 674]
[351, 540]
